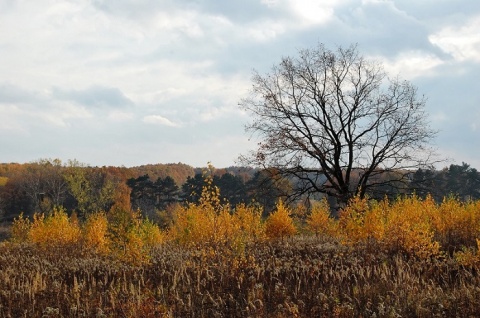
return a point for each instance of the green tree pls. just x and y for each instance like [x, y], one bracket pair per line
[92, 188]
[232, 188]
[192, 188]
[166, 191]
[150, 196]
[463, 181]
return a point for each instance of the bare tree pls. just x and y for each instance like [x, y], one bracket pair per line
[336, 123]
[43, 183]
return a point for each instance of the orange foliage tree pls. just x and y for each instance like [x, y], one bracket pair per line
[280, 224]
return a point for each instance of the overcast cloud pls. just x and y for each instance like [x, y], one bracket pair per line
[137, 82]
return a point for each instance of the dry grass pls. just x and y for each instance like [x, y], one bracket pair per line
[409, 258]
[301, 277]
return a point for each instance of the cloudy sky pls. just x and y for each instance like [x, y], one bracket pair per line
[147, 81]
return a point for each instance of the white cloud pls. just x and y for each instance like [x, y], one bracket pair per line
[11, 119]
[263, 31]
[462, 42]
[411, 64]
[314, 11]
[120, 116]
[160, 120]
[83, 71]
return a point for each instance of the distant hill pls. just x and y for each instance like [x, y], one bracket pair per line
[177, 171]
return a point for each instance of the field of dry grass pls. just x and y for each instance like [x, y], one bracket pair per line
[408, 258]
[299, 277]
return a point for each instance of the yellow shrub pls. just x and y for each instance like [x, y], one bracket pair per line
[319, 220]
[408, 227]
[375, 220]
[469, 256]
[139, 241]
[95, 233]
[193, 224]
[55, 230]
[249, 222]
[457, 224]
[352, 220]
[208, 222]
[20, 229]
[151, 235]
[279, 224]
[131, 237]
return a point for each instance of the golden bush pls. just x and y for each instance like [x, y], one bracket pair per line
[95, 233]
[150, 234]
[280, 224]
[214, 223]
[249, 222]
[352, 220]
[55, 230]
[457, 224]
[131, 237]
[469, 256]
[206, 222]
[408, 227]
[319, 220]
[193, 224]
[20, 228]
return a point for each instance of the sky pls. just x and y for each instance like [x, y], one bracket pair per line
[128, 83]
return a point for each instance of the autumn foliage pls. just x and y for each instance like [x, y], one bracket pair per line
[212, 222]
[280, 224]
[120, 233]
[409, 257]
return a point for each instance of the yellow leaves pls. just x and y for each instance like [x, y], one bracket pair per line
[457, 223]
[54, 231]
[3, 181]
[95, 233]
[210, 223]
[132, 238]
[249, 222]
[192, 224]
[319, 220]
[279, 224]
[469, 256]
[124, 234]
[352, 220]
[213, 223]
[20, 228]
[150, 234]
[406, 225]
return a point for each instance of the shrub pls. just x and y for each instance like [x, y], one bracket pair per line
[249, 222]
[280, 224]
[319, 220]
[20, 229]
[457, 224]
[131, 237]
[95, 233]
[409, 229]
[469, 256]
[55, 230]
[352, 221]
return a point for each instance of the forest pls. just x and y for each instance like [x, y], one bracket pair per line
[39, 186]
[170, 240]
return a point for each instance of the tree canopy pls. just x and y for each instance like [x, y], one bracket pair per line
[336, 123]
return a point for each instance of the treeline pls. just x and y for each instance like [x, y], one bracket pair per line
[461, 181]
[42, 185]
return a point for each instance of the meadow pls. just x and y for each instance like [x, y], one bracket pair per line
[407, 258]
